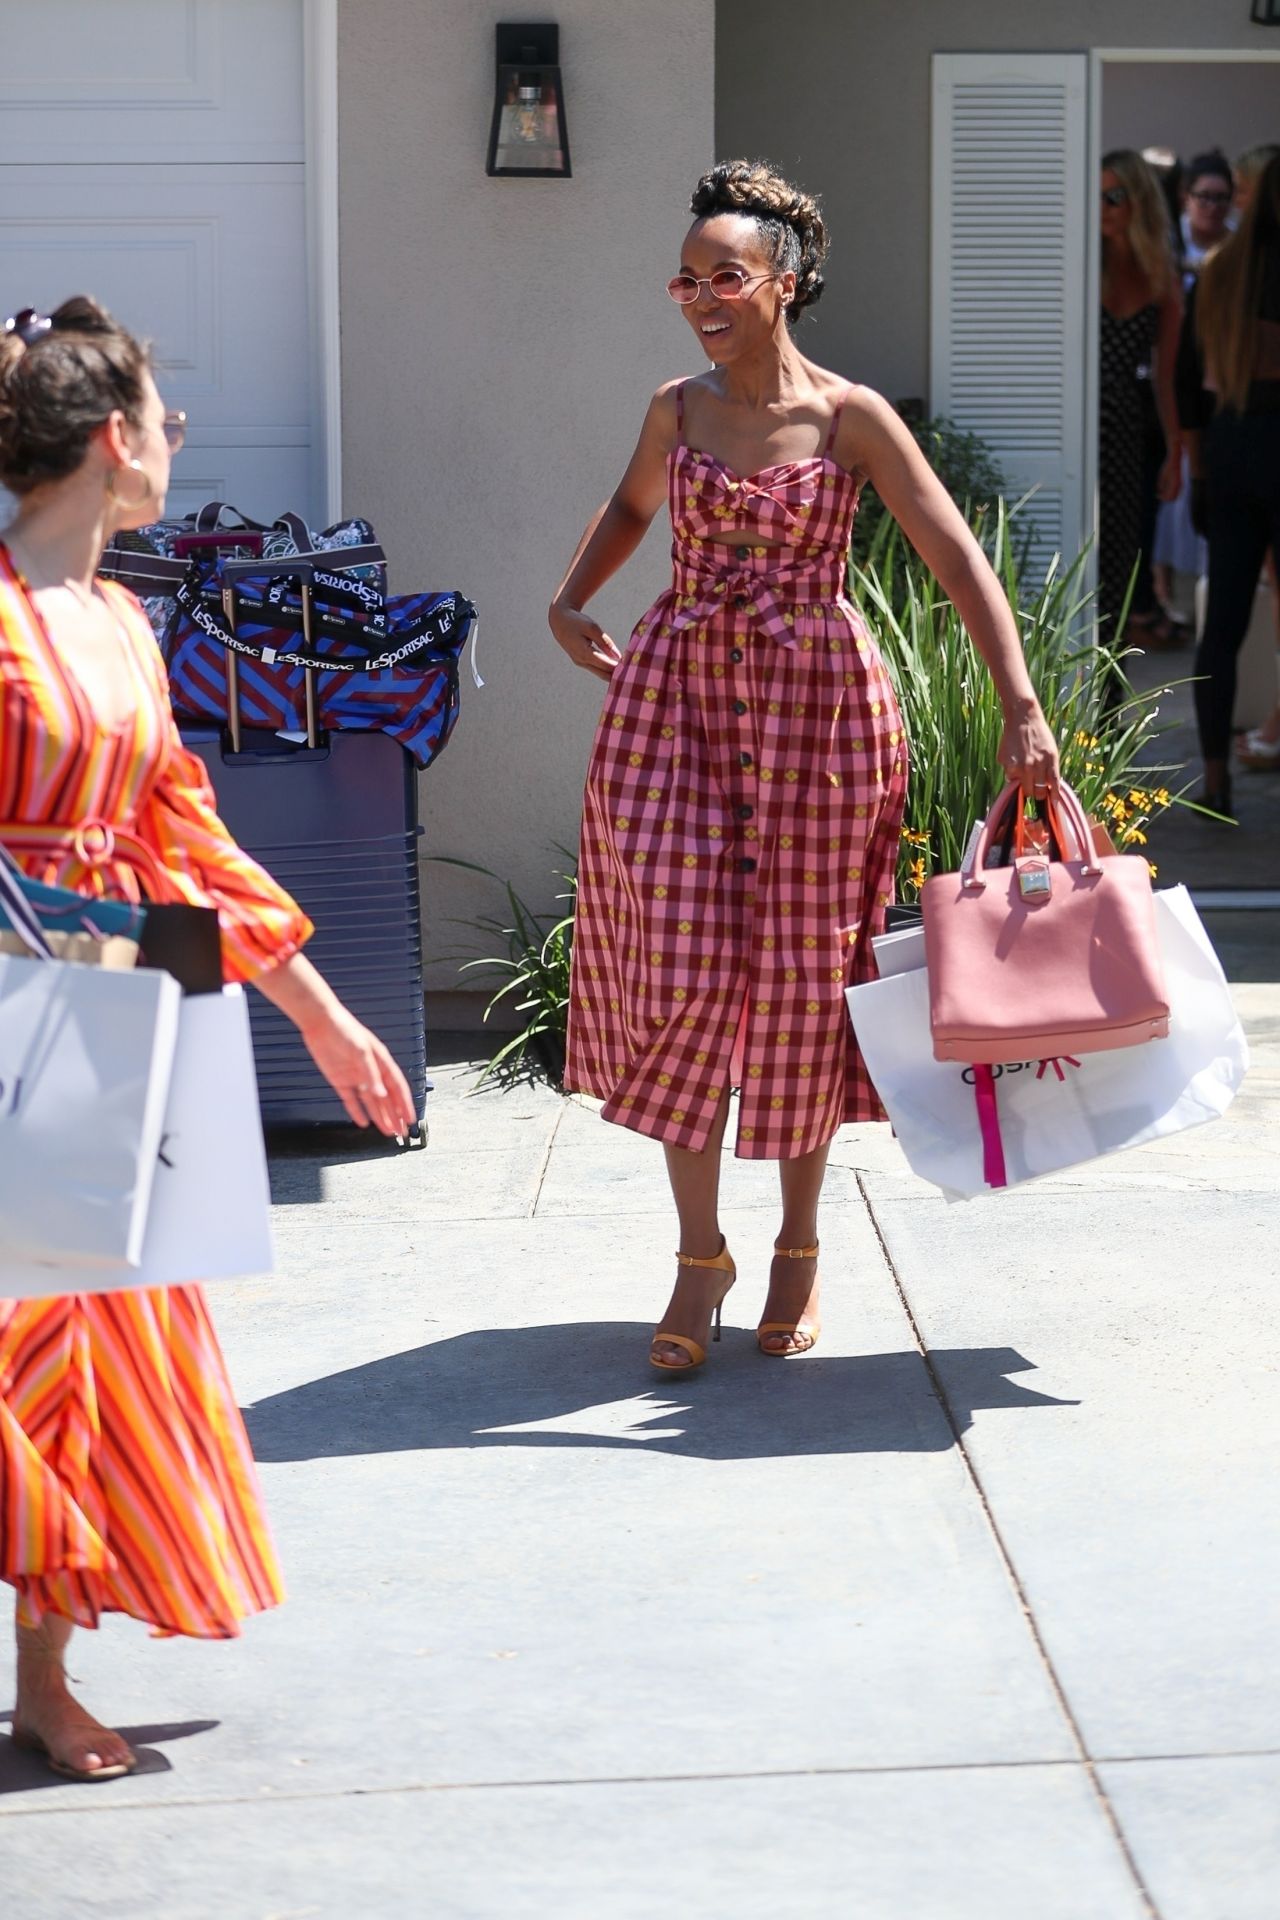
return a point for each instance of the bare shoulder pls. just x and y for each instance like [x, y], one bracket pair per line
[867, 424]
[661, 422]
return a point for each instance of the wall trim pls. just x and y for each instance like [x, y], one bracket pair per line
[320, 69]
[1156, 56]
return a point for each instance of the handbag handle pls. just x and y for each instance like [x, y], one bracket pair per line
[209, 518]
[368, 554]
[188, 543]
[1063, 803]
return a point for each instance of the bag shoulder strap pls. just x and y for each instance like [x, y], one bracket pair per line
[151, 576]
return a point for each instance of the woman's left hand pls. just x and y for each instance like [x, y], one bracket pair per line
[361, 1071]
[1028, 751]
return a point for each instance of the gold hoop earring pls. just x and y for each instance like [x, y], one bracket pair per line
[147, 488]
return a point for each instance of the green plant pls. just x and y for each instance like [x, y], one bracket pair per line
[952, 715]
[535, 967]
[965, 465]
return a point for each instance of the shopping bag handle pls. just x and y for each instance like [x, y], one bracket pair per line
[23, 917]
[1012, 837]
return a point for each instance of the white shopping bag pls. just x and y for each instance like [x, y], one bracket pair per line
[210, 1204]
[1063, 1112]
[85, 1061]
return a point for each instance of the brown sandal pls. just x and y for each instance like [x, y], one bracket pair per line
[723, 1261]
[792, 1328]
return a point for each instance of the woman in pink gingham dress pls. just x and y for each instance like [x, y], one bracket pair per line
[745, 793]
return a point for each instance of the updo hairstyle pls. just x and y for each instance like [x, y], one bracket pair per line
[57, 392]
[790, 224]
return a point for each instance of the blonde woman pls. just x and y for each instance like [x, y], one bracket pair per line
[1141, 314]
[1231, 407]
[1245, 175]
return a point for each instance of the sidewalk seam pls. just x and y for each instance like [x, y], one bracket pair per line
[576, 1782]
[1086, 1759]
[545, 1162]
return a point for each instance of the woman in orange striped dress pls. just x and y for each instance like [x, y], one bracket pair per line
[126, 1480]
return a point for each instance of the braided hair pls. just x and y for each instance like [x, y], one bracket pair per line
[789, 222]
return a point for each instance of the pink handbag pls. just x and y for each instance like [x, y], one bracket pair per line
[1044, 956]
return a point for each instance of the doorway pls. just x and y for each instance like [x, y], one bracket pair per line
[1190, 103]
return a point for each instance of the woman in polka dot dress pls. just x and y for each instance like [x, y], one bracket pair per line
[746, 786]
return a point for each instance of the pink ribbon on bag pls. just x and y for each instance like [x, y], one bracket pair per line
[984, 1093]
[1055, 1061]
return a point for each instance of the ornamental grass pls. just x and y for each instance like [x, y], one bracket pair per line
[951, 712]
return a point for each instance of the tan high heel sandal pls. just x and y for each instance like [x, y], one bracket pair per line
[81, 1728]
[697, 1355]
[791, 1328]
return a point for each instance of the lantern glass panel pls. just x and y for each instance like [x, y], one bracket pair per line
[530, 131]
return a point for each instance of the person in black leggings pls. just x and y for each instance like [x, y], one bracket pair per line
[1229, 403]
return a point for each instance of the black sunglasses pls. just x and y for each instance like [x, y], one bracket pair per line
[1116, 196]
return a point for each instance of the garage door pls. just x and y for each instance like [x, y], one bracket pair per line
[152, 153]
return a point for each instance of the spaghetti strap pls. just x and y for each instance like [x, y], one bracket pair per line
[834, 428]
[680, 413]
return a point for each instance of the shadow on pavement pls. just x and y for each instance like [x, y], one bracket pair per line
[593, 1380]
[23, 1772]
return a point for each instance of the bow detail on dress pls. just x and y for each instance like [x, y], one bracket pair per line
[768, 597]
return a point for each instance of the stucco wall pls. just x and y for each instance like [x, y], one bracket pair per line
[840, 91]
[500, 340]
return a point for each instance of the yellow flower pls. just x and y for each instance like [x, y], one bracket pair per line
[1133, 838]
[1152, 868]
[917, 873]
[1163, 797]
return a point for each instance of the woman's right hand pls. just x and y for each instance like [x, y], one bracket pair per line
[584, 640]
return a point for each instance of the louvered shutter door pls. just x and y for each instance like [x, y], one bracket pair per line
[1008, 304]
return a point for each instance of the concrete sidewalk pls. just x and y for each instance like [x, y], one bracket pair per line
[969, 1616]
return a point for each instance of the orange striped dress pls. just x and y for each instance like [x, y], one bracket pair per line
[126, 1480]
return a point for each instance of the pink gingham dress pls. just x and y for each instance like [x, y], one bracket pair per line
[740, 825]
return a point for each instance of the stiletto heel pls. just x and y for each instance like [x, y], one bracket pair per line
[791, 1328]
[723, 1263]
